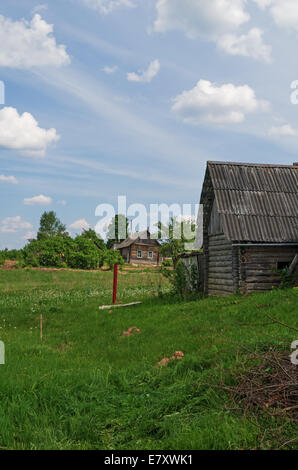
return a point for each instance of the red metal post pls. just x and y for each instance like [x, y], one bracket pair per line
[115, 283]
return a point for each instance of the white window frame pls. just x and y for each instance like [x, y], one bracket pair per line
[138, 252]
[150, 254]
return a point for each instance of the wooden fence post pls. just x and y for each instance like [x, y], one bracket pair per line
[115, 280]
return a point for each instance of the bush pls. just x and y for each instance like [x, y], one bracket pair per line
[167, 263]
[86, 254]
[32, 261]
[184, 279]
[63, 252]
[286, 280]
[50, 259]
[20, 259]
[112, 257]
[81, 261]
[11, 255]
[52, 252]
[180, 279]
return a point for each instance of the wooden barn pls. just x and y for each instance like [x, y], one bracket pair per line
[139, 248]
[250, 226]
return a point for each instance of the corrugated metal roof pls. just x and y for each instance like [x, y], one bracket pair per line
[257, 202]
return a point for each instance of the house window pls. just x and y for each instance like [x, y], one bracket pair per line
[150, 254]
[139, 254]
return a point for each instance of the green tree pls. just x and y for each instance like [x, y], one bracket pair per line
[90, 234]
[172, 238]
[119, 224]
[50, 226]
[112, 257]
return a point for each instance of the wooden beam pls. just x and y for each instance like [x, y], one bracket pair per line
[293, 264]
[105, 307]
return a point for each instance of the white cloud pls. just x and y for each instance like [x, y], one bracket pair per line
[108, 6]
[110, 70]
[140, 132]
[80, 224]
[62, 203]
[147, 75]
[217, 20]
[26, 45]
[263, 3]
[9, 179]
[209, 103]
[22, 132]
[200, 17]
[282, 131]
[29, 235]
[14, 224]
[249, 45]
[284, 12]
[38, 200]
[40, 7]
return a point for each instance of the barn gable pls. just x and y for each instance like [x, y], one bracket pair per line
[250, 224]
[257, 203]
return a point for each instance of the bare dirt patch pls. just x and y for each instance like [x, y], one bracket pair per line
[9, 265]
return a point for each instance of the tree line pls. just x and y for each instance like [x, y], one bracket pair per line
[54, 247]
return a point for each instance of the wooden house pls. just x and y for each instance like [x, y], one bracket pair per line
[250, 226]
[139, 248]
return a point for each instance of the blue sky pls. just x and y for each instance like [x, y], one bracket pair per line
[131, 97]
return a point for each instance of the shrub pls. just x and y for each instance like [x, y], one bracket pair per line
[286, 280]
[180, 279]
[32, 261]
[79, 260]
[11, 255]
[112, 257]
[20, 259]
[167, 263]
[52, 252]
[63, 251]
[49, 258]
[85, 255]
[184, 279]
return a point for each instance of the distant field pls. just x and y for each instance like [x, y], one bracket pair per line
[87, 387]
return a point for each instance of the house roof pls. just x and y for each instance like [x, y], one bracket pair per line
[143, 236]
[256, 202]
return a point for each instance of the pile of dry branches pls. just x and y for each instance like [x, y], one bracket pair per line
[272, 385]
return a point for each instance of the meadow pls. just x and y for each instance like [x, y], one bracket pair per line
[86, 386]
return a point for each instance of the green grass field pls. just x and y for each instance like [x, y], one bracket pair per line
[84, 386]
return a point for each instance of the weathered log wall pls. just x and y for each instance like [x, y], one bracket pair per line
[145, 250]
[258, 265]
[220, 266]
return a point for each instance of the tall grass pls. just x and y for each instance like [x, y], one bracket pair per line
[87, 387]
